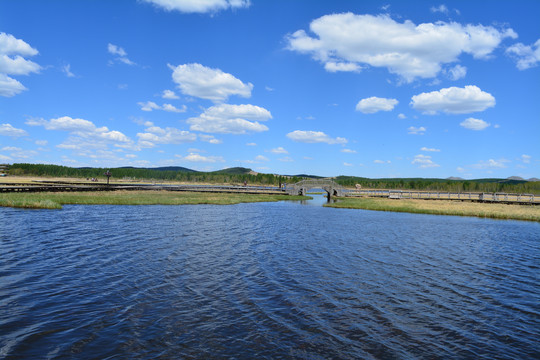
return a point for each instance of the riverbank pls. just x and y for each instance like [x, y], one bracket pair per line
[442, 207]
[51, 200]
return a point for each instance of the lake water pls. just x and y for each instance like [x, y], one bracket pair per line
[266, 280]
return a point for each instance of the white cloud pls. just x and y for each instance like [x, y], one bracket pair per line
[231, 119]
[402, 116]
[526, 56]
[441, 9]
[424, 161]
[194, 157]
[345, 42]
[210, 139]
[416, 130]
[457, 72]
[120, 53]
[42, 142]
[279, 150]
[5, 158]
[526, 158]
[382, 162]
[9, 130]
[314, 137]
[341, 66]
[429, 149]
[207, 83]
[374, 104]
[491, 164]
[156, 135]
[453, 100]
[199, 6]
[251, 144]
[150, 105]
[10, 148]
[83, 133]
[347, 164]
[474, 124]
[286, 159]
[169, 94]
[348, 151]
[261, 158]
[12, 62]
[66, 69]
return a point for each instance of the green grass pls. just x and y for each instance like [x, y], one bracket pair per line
[50, 200]
[443, 207]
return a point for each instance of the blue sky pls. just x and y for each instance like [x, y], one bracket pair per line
[364, 88]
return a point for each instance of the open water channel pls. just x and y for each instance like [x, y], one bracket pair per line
[265, 280]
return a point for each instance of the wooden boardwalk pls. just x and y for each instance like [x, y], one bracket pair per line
[503, 198]
[71, 187]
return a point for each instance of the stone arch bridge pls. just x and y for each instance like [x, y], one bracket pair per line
[330, 186]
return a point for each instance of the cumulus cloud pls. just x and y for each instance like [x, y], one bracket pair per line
[156, 135]
[453, 100]
[416, 130]
[312, 137]
[83, 133]
[429, 149]
[279, 150]
[120, 53]
[457, 72]
[491, 164]
[345, 42]
[474, 124]
[374, 104]
[9, 130]
[424, 161]
[525, 56]
[169, 94]
[382, 162]
[439, 9]
[13, 62]
[231, 119]
[198, 6]
[150, 105]
[207, 83]
[526, 158]
[194, 157]
[348, 151]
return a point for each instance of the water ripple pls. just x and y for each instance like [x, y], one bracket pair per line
[277, 280]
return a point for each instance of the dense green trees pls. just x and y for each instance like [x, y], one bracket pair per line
[227, 176]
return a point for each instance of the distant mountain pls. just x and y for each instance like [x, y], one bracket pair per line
[515, 178]
[455, 178]
[533, 179]
[233, 171]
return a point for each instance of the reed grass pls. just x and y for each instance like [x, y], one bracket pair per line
[443, 207]
[50, 200]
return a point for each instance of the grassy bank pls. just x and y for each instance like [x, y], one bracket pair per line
[49, 200]
[443, 207]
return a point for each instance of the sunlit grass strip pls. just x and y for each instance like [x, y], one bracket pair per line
[443, 207]
[49, 200]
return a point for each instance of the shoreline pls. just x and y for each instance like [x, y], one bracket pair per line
[443, 207]
[55, 200]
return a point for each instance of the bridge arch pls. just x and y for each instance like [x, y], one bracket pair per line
[330, 186]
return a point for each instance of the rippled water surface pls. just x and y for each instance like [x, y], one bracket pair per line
[270, 280]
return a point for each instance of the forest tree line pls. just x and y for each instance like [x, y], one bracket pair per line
[239, 175]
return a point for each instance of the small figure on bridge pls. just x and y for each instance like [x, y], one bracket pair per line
[245, 183]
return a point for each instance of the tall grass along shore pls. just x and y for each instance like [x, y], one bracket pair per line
[443, 207]
[50, 200]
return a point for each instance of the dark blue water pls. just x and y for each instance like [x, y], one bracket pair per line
[271, 280]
